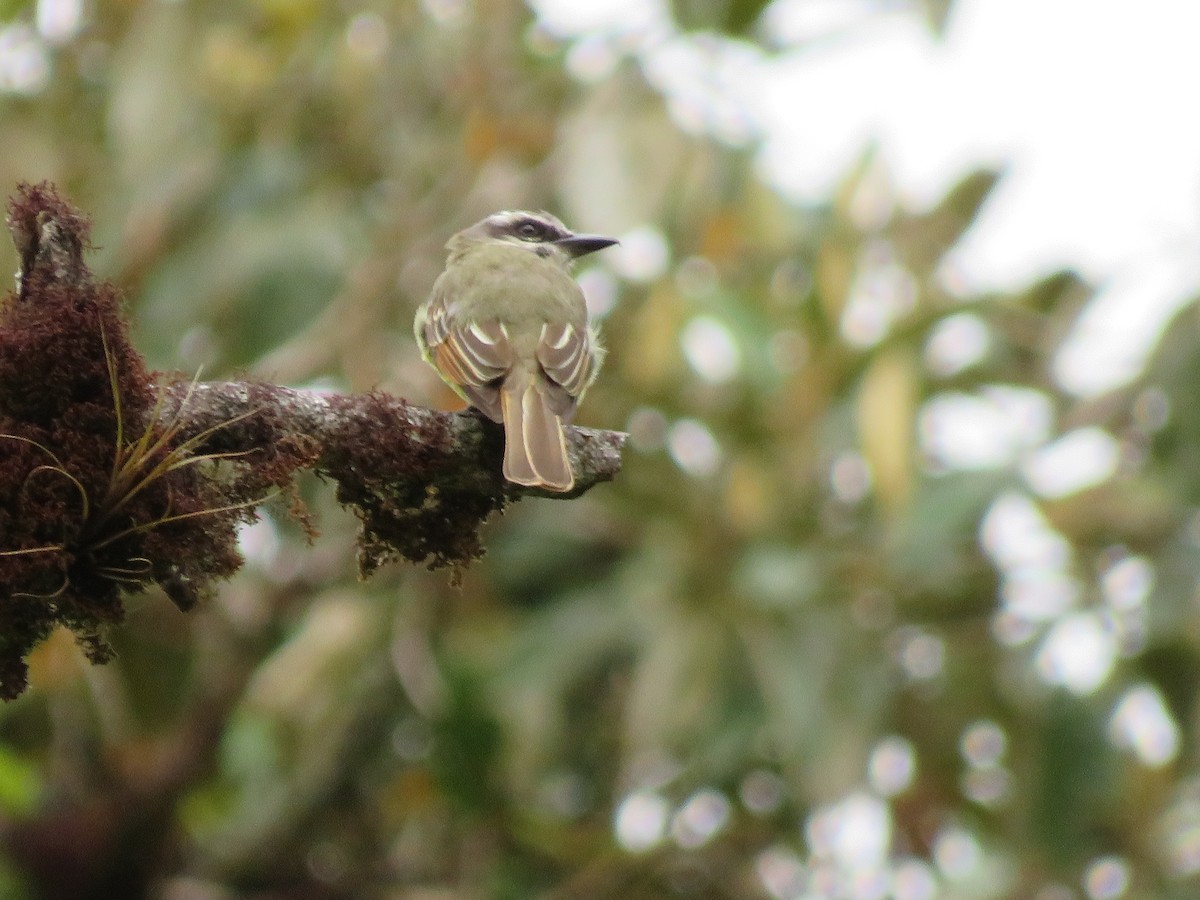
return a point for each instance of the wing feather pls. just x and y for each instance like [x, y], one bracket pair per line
[473, 356]
[568, 358]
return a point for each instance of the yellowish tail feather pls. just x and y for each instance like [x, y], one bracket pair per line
[535, 449]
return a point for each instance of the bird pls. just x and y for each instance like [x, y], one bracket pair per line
[506, 327]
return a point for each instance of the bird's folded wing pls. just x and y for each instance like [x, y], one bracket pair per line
[474, 356]
[565, 355]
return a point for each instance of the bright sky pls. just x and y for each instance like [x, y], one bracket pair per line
[1089, 105]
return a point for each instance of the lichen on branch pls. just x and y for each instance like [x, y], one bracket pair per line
[113, 478]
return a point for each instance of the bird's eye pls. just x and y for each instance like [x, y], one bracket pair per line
[528, 230]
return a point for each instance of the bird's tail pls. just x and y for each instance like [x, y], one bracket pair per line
[535, 449]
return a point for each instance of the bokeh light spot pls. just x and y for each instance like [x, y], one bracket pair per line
[987, 430]
[782, 873]
[592, 58]
[913, 879]
[1078, 653]
[787, 350]
[921, 654]
[983, 744]
[762, 792]
[647, 428]
[892, 765]
[367, 36]
[711, 349]
[694, 448]
[987, 787]
[958, 341]
[700, 818]
[447, 12]
[855, 832]
[956, 852]
[641, 821]
[642, 255]
[1078, 460]
[850, 477]
[599, 291]
[59, 21]
[1142, 723]
[1127, 583]
[24, 62]
[1106, 878]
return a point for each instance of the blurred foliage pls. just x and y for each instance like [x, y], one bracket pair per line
[734, 17]
[806, 646]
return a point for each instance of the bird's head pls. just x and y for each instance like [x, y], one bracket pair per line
[537, 232]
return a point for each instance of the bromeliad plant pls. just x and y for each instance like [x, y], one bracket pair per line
[102, 488]
[138, 465]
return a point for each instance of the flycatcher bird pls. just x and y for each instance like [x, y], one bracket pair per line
[506, 327]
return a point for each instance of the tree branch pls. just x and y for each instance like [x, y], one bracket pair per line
[112, 479]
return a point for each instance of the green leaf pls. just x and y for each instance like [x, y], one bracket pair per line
[20, 783]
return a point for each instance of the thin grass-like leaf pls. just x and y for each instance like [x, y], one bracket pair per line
[145, 449]
[166, 520]
[16, 437]
[132, 577]
[110, 363]
[53, 548]
[83, 495]
[58, 593]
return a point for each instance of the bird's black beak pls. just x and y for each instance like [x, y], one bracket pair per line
[578, 245]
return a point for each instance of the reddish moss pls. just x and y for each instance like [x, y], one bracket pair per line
[76, 401]
[408, 508]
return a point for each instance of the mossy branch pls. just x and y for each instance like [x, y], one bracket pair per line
[144, 479]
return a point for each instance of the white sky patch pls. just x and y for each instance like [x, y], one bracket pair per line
[1101, 158]
[572, 18]
[793, 22]
[1111, 340]
[1101, 161]
[1080, 459]
[985, 431]
[1093, 130]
